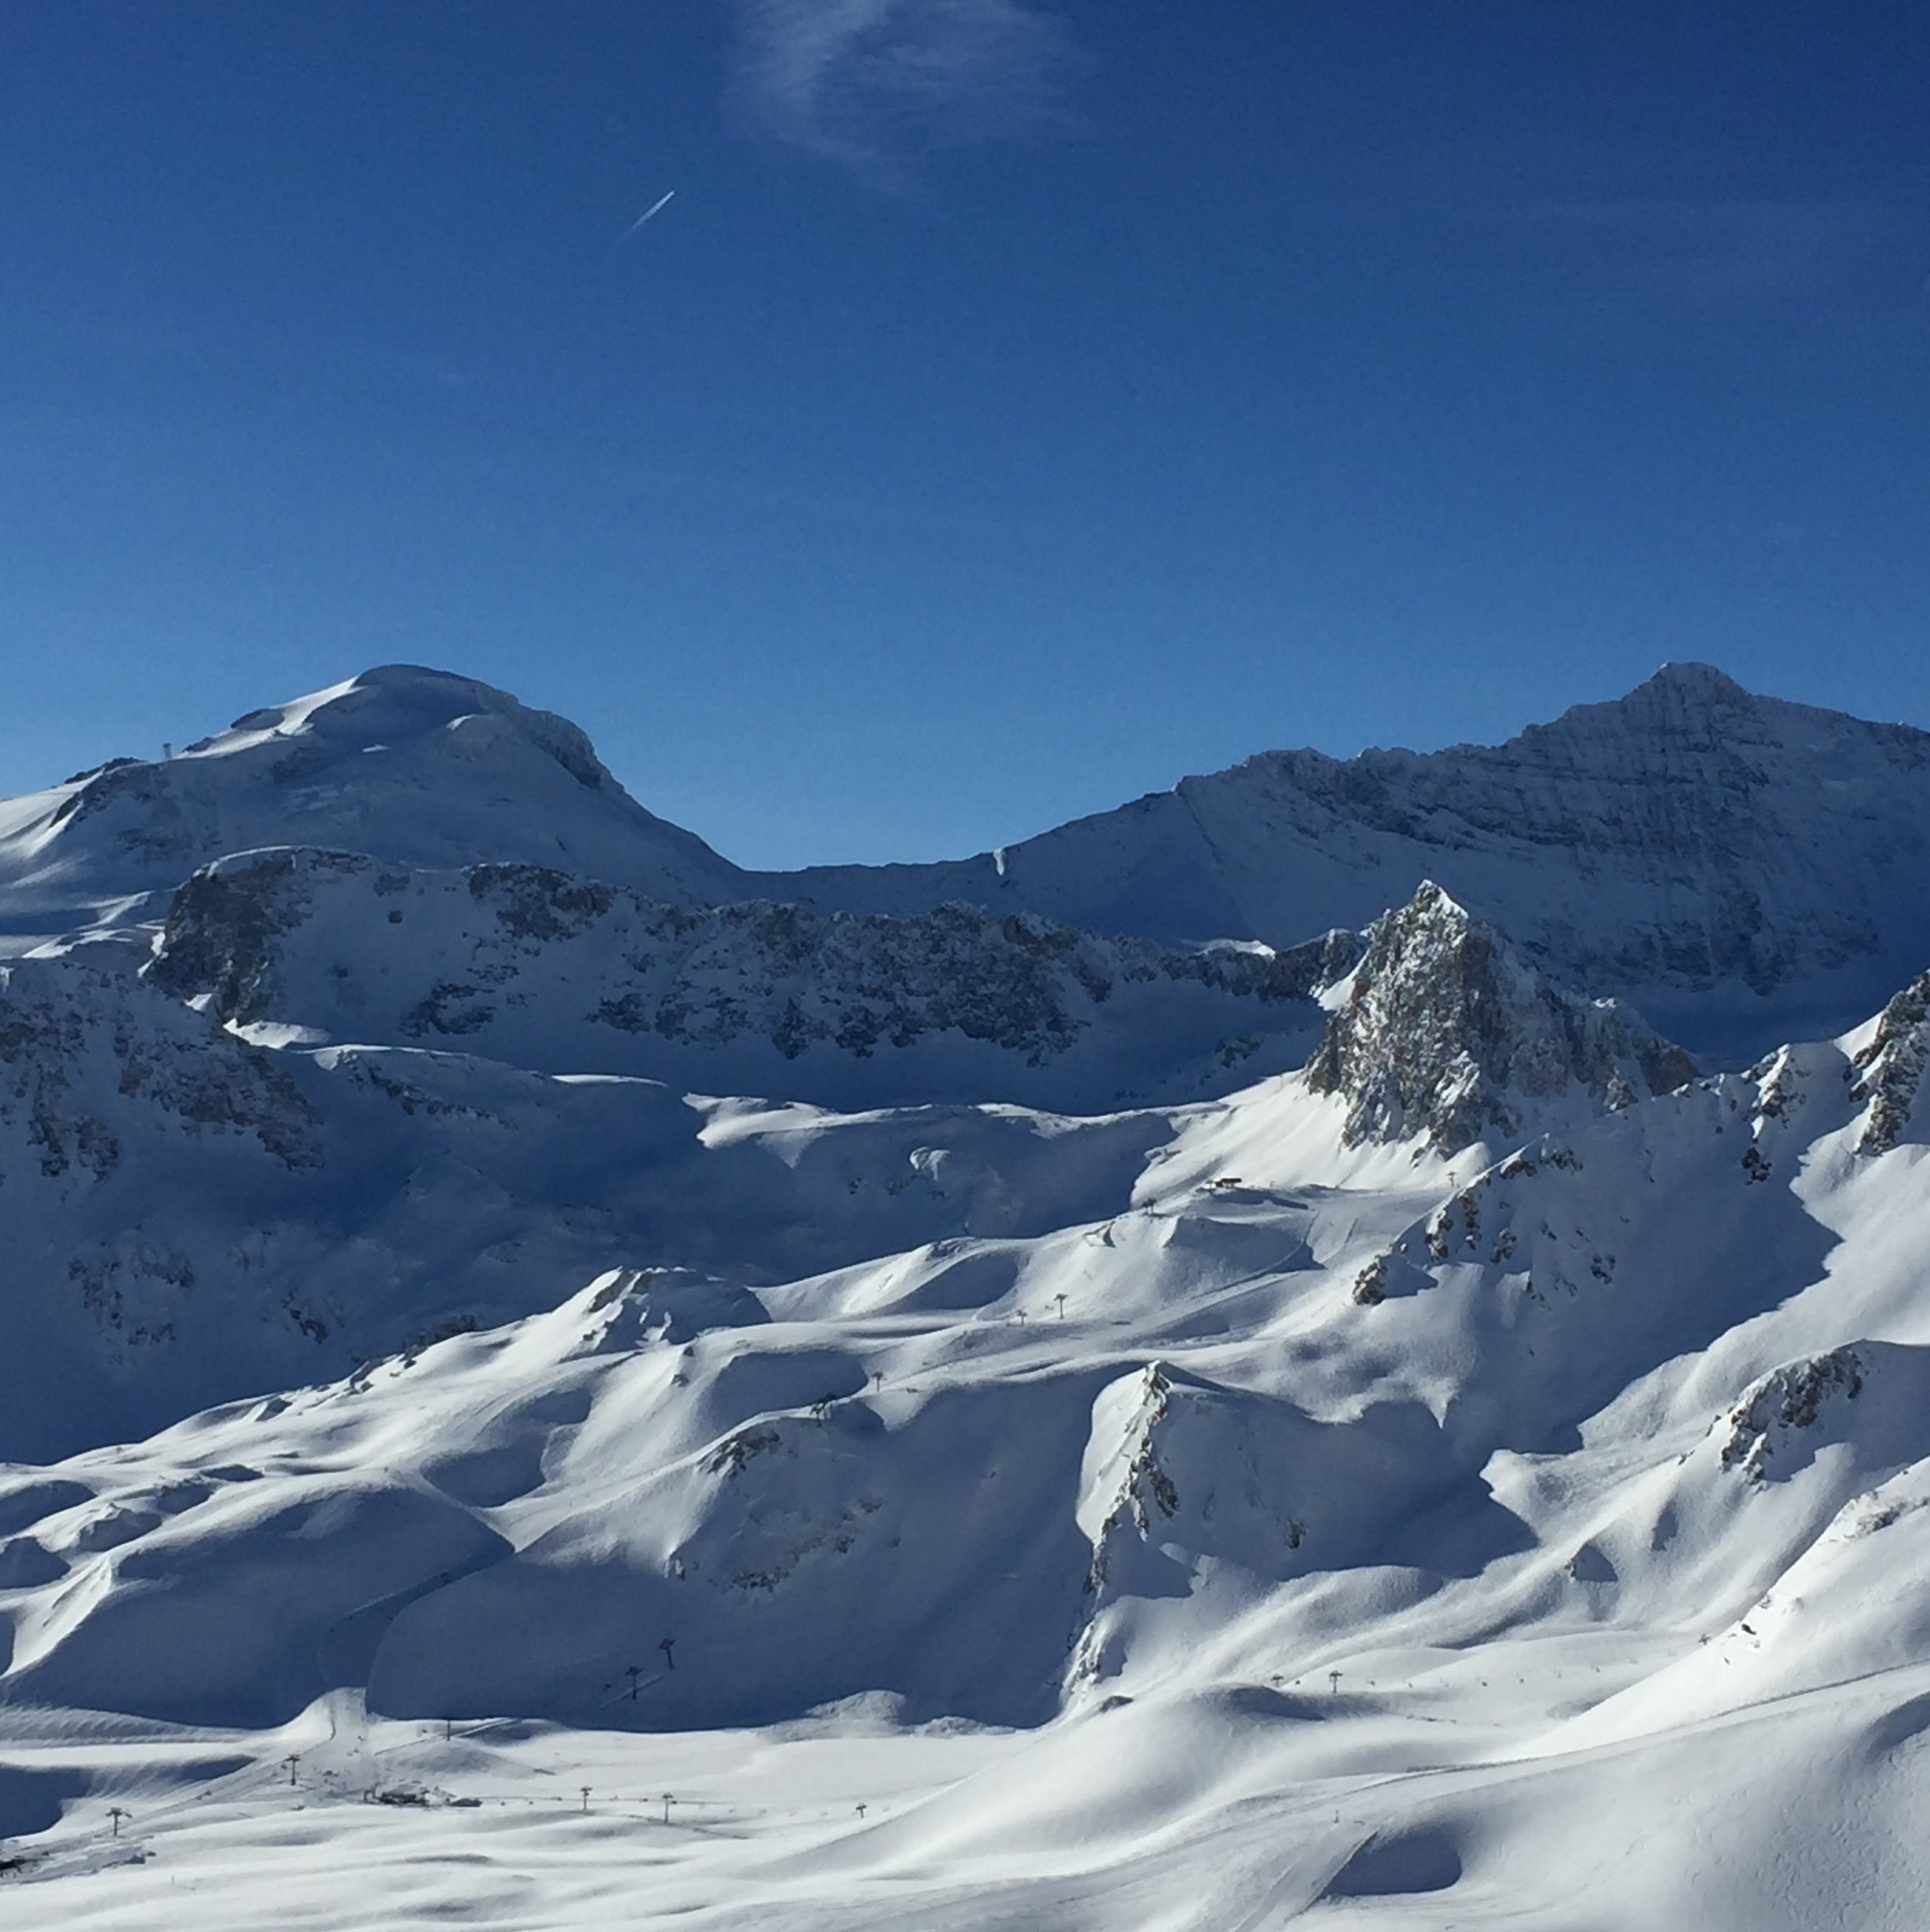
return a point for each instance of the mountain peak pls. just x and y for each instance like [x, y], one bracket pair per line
[1695, 680]
[1447, 1032]
[1698, 699]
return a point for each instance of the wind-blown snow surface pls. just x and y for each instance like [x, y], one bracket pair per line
[459, 1474]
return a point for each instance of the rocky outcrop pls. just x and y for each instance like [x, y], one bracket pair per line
[1447, 1034]
[1785, 1402]
[223, 927]
[1887, 1073]
[1745, 871]
[86, 1051]
[1144, 1493]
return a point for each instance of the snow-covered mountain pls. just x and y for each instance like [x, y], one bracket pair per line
[1740, 869]
[1252, 1383]
[1292, 1504]
[713, 1409]
[340, 1107]
[411, 765]
[190, 1217]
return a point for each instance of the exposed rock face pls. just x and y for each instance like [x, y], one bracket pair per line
[353, 948]
[1786, 1401]
[114, 1102]
[223, 925]
[1744, 870]
[85, 1050]
[1889, 1071]
[1145, 1492]
[188, 1217]
[1447, 1033]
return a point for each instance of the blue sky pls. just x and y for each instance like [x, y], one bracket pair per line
[1018, 406]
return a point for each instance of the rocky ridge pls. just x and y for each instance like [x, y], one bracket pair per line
[1887, 1071]
[529, 964]
[1418, 1462]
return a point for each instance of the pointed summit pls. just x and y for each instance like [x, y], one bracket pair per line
[1694, 682]
[1742, 869]
[1699, 698]
[1447, 1032]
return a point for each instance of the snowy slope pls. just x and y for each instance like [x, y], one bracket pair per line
[190, 1218]
[344, 1107]
[1052, 1461]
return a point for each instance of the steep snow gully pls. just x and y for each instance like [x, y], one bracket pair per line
[1218, 1369]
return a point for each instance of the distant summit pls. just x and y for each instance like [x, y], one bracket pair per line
[1692, 683]
[1737, 867]
[396, 705]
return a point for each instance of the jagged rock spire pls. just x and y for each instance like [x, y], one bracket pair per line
[1447, 1032]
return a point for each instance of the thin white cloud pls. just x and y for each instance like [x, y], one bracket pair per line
[864, 81]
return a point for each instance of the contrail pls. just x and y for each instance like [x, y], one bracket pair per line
[655, 208]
